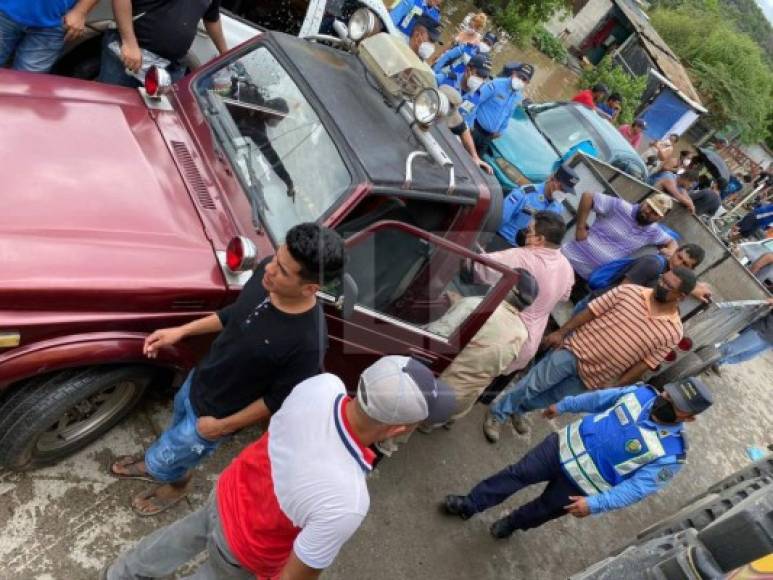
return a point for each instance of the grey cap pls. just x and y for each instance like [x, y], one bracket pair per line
[454, 118]
[690, 395]
[399, 390]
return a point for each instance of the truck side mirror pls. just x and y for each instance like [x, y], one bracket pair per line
[348, 298]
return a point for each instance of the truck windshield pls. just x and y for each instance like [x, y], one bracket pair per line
[284, 157]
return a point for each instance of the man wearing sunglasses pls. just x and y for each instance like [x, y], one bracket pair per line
[629, 446]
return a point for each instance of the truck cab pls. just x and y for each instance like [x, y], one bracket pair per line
[133, 210]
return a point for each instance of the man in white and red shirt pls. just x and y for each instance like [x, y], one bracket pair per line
[288, 502]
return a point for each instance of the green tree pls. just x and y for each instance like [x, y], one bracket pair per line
[727, 67]
[618, 81]
[519, 18]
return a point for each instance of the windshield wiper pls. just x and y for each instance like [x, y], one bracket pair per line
[533, 119]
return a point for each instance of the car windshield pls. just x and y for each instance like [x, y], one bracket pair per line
[565, 129]
[284, 156]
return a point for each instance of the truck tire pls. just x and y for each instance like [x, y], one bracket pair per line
[49, 418]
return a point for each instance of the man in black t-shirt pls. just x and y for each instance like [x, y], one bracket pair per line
[166, 28]
[273, 337]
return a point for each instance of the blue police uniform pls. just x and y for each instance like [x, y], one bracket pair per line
[455, 59]
[468, 106]
[615, 456]
[451, 79]
[520, 205]
[498, 100]
[404, 15]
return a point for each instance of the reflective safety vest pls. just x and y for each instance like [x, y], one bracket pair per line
[600, 451]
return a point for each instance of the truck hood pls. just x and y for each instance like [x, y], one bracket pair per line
[92, 199]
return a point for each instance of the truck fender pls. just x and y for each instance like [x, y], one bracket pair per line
[87, 349]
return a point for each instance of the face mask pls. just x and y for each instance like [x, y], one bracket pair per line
[426, 49]
[559, 196]
[474, 83]
[661, 293]
[484, 48]
[517, 84]
[663, 411]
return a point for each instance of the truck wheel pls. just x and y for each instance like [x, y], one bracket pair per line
[47, 419]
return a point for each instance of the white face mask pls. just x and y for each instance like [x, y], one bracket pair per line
[426, 49]
[474, 83]
[484, 48]
[517, 84]
[559, 196]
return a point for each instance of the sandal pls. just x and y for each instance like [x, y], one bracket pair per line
[129, 462]
[158, 504]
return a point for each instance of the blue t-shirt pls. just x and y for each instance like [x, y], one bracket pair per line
[37, 13]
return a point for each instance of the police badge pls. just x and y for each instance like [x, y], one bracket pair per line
[633, 446]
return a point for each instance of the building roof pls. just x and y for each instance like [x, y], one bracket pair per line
[659, 51]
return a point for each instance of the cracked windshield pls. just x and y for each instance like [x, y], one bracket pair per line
[282, 152]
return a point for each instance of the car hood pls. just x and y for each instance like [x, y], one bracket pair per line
[92, 200]
[526, 148]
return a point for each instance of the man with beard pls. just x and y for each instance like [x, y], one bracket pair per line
[629, 445]
[621, 228]
[620, 336]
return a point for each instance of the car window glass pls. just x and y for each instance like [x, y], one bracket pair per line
[410, 279]
[284, 156]
[562, 128]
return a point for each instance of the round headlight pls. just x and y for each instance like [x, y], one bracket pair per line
[429, 105]
[362, 24]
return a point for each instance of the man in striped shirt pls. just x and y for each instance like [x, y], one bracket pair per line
[621, 335]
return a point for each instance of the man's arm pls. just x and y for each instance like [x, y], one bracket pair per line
[670, 187]
[215, 32]
[169, 336]
[74, 21]
[633, 374]
[131, 55]
[556, 338]
[583, 210]
[213, 428]
[590, 402]
[296, 570]
[761, 262]
[469, 145]
[447, 56]
[645, 481]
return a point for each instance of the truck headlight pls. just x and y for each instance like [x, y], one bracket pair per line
[429, 105]
[362, 24]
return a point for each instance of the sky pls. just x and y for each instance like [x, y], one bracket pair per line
[767, 8]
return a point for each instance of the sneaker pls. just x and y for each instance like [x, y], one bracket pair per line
[491, 427]
[456, 505]
[519, 424]
[501, 529]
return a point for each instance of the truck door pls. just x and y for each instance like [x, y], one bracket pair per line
[409, 282]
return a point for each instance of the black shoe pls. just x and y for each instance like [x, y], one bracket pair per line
[456, 505]
[502, 529]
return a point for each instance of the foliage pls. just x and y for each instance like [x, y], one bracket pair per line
[519, 18]
[727, 67]
[549, 44]
[618, 80]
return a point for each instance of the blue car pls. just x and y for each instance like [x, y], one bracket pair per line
[538, 135]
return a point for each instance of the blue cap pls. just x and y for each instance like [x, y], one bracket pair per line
[490, 38]
[567, 177]
[480, 64]
[432, 26]
[691, 395]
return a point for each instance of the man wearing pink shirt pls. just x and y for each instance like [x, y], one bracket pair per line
[633, 133]
[541, 257]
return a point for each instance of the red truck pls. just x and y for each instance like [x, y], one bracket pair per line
[127, 210]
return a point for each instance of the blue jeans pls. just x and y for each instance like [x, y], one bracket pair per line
[541, 463]
[744, 347]
[180, 448]
[113, 72]
[36, 48]
[549, 381]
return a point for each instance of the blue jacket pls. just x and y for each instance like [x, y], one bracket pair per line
[618, 455]
[498, 100]
[455, 59]
[405, 13]
[520, 204]
[469, 106]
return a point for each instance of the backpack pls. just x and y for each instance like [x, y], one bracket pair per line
[612, 272]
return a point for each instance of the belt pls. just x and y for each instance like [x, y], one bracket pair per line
[485, 132]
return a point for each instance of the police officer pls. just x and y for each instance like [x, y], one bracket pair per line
[453, 62]
[498, 100]
[424, 36]
[406, 13]
[472, 78]
[523, 202]
[631, 446]
[457, 125]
